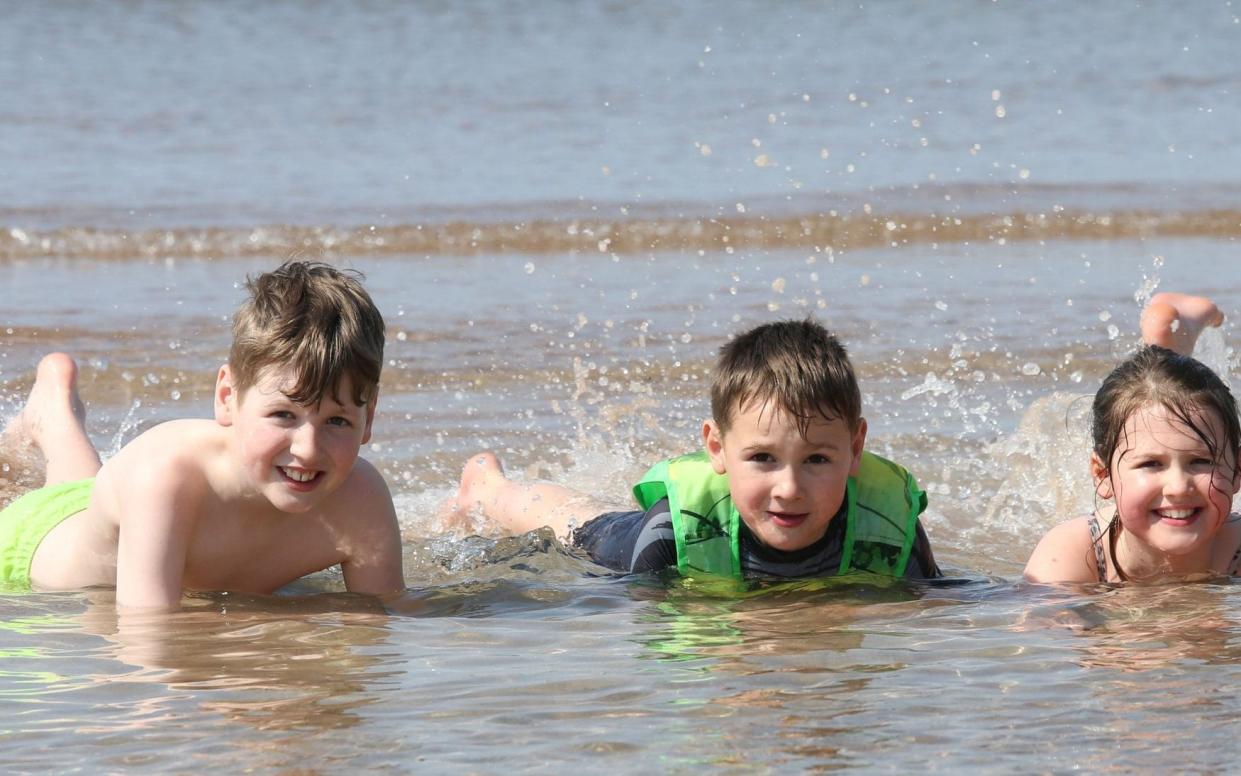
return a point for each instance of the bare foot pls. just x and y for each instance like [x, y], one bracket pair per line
[488, 499]
[1174, 321]
[479, 480]
[53, 401]
[54, 420]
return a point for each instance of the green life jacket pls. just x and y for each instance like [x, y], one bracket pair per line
[883, 500]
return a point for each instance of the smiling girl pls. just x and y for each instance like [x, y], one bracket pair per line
[1164, 462]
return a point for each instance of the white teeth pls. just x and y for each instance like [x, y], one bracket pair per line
[1176, 514]
[295, 474]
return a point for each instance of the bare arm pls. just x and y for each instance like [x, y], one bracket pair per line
[155, 527]
[372, 535]
[1064, 554]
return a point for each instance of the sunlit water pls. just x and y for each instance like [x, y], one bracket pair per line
[560, 234]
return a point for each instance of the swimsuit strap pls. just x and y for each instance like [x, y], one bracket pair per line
[1236, 561]
[1096, 541]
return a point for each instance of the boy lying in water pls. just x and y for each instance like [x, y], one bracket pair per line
[270, 490]
[783, 487]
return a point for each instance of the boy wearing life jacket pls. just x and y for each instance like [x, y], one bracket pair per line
[783, 487]
[269, 490]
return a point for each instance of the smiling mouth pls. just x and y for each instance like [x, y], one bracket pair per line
[1178, 516]
[299, 477]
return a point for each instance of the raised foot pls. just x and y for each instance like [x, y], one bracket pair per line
[481, 473]
[1174, 321]
[53, 407]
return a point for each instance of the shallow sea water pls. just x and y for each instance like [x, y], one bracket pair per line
[510, 653]
[628, 676]
[560, 234]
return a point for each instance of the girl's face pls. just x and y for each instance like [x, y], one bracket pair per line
[1171, 495]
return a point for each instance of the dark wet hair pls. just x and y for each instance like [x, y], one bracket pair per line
[1185, 388]
[798, 365]
[315, 320]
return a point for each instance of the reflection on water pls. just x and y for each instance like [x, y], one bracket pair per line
[638, 673]
[274, 664]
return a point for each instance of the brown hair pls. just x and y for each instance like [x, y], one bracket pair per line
[798, 365]
[1185, 388]
[315, 320]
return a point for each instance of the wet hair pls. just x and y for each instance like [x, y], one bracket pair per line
[798, 366]
[314, 320]
[1185, 388]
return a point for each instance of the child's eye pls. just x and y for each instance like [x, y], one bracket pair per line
[280, 414]
[762, 457]
[337, 420]
[818, 458]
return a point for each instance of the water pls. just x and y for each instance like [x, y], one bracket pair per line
[563, 210]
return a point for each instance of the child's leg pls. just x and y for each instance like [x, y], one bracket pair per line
[519, 506]
[54, 419]
[1174, 321]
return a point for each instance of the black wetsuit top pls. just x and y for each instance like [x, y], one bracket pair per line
[634, 542]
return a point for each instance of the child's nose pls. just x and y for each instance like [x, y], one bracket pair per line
[786, 485]
[305, 441]
[1177, 481]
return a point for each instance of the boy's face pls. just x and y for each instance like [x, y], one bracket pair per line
[786, 487]
[294, 454]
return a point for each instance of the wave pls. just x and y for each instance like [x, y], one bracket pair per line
[821, 231]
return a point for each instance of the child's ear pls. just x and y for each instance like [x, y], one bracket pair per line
[370, 414]
[1101, 476]
[713, 440]
[225, 393]
[856, 445]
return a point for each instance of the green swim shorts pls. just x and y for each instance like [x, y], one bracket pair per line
[28, 520]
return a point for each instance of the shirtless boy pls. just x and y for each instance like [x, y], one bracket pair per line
[269, 490]
[782, 488]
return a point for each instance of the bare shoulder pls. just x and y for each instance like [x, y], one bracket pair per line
[363, 497]
[172, 459]
[1064, 554]
[174, 442]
